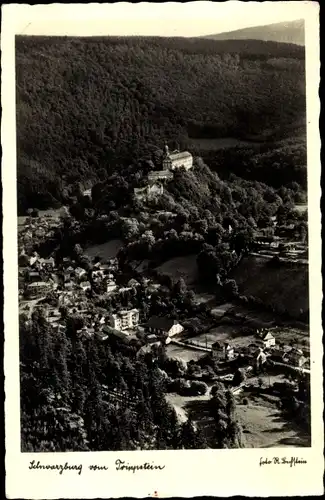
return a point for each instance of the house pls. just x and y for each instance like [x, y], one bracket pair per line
[33, 259]
[87, 192]
[151, 338]
[124, 320]
[267, 339]
[133, 283]
[69, 285]
[39, 289]
[59, 327]
[53, 315]
[101, 336]
[225, 351]
[50, 263]
[260, 358]
[164, 326]
[86, 332]
[295, 357]
[229, 352]
[85, 285]
[34, 276]
[79, 272]
[124, 289]
[177, 159]
[97, 274]
[68, 273]
[110, 286]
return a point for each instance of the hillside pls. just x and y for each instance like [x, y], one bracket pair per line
[285, 32]
[285, 288]
[87, 105]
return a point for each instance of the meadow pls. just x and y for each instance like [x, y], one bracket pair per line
[106, 251]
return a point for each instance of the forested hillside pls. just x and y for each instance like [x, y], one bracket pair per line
[84, 105]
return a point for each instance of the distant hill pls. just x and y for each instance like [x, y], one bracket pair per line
[286, 32]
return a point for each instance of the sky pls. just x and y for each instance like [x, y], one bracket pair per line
[167, 19]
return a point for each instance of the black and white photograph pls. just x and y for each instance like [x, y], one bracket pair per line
[163, 234]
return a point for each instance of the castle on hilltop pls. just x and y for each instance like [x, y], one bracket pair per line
[177, 159]
[170, 161]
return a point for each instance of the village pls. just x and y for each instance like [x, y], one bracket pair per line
[248, 348]
[67, 290]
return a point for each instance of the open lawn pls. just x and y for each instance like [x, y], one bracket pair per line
[175, 351]
[204, 298]
[225, 333]
[221, 143]
[288, 334]
[106, 250]
[264, 426]
[180, 267]
[285, 287]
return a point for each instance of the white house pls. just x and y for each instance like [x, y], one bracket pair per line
[110, 286]
[124, 320]
[229, 352]
[164, 326]
[85, 286]
[79, 272]
[267, 339]
[261, 358]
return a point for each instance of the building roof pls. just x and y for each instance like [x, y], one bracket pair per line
[161, 323]
[180, 155]
[267, 336]
[80, 270]
[85, 284]
[39, 283]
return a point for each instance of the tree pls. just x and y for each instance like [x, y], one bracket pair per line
[239, 377]
[230, 288]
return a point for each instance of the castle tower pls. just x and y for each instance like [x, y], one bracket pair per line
[166, 151]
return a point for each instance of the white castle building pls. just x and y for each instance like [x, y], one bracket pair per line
[177, 159]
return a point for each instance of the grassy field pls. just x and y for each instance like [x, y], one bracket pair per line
[222, 143]
[175, 351]
[225, 333]
[284, 287]
[204, 298]
[180, 267]
[106, 250]
[264, 426]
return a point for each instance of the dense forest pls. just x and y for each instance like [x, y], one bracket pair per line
[88, 105]
[75, 384]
